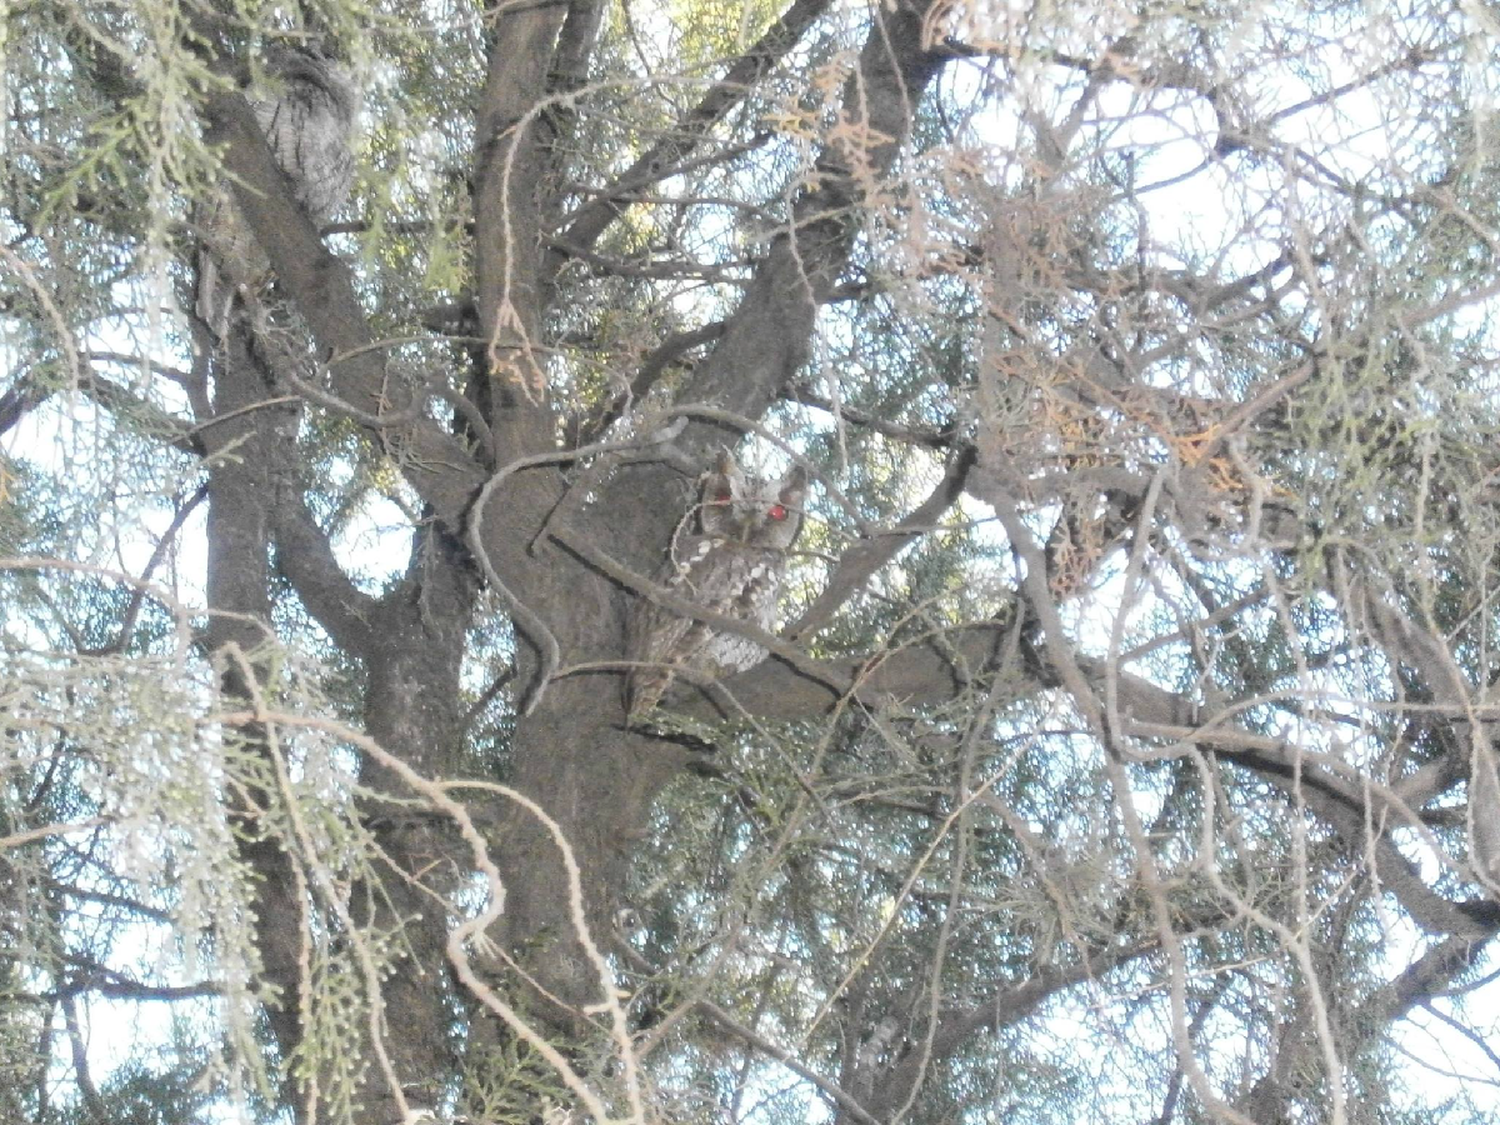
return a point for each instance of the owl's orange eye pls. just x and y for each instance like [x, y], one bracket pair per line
[776, 512]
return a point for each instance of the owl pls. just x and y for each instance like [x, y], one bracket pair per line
[1484, 809]
[731, 564]
[307, 113]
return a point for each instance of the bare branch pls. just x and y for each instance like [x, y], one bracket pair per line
[859, 563]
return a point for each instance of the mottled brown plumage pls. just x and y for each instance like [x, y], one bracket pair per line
[307, 110]
[728, 555]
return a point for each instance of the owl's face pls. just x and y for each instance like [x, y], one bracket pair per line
[745, 509]
[312, 66]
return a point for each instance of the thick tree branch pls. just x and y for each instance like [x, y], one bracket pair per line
[766, 340]
[320, 287]
[305, 556]
[929, 673]
[575, 44]
[1351, 803]
[1425, 978]
[97, 1110]
[509, 175]
[914, 674]
[25, 395]
[20, 398]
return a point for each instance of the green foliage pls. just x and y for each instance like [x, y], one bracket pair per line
[1196, 300]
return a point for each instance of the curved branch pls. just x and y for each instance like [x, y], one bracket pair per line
[305, 558]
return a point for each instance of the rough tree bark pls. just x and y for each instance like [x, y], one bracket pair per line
[571, 752]
[516, 522]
